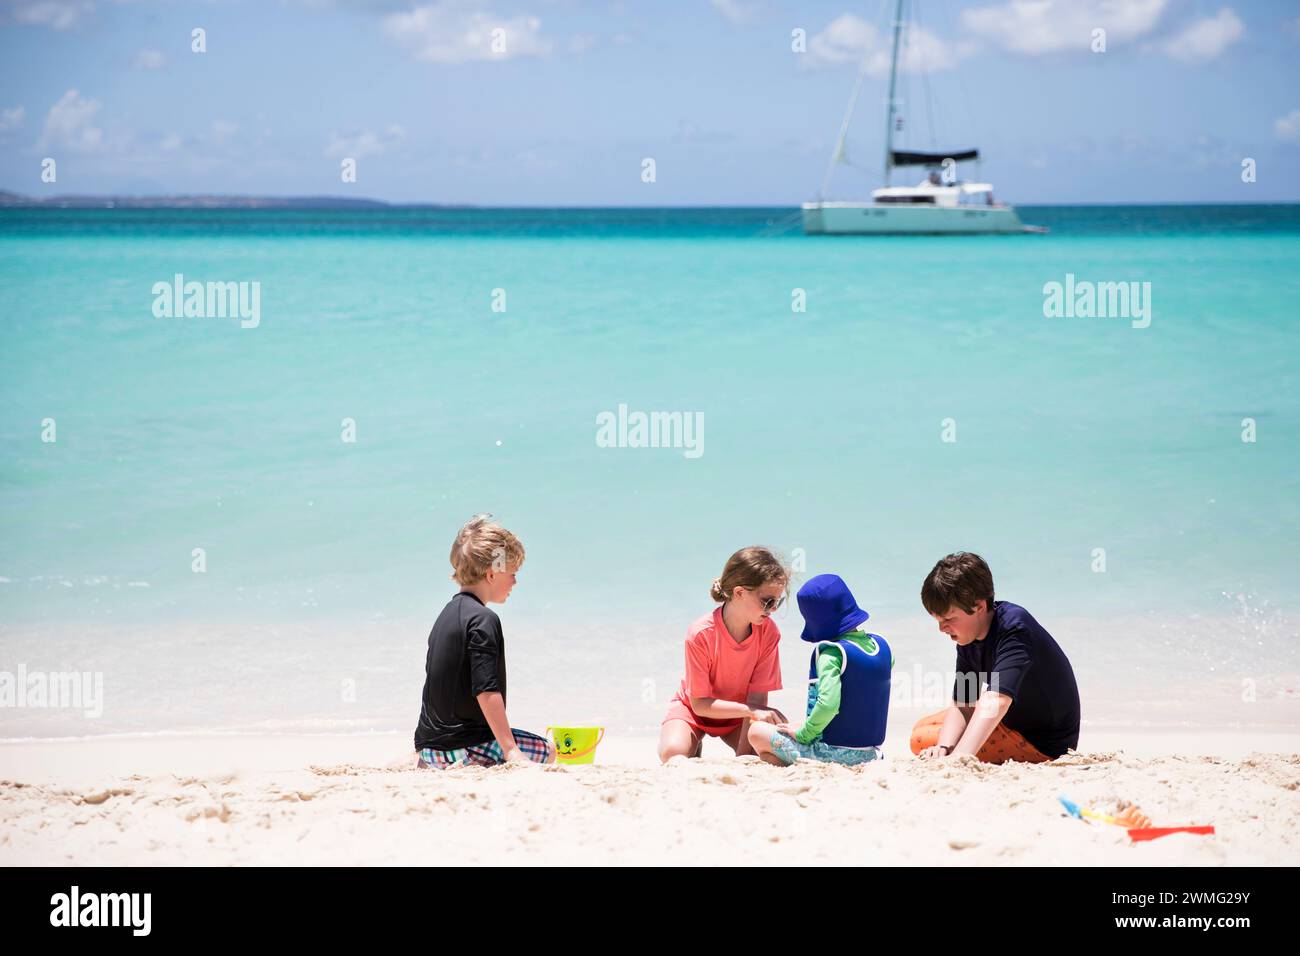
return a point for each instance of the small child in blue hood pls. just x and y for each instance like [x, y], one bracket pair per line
[848, 684]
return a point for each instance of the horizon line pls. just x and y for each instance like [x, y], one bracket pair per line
[199, 201]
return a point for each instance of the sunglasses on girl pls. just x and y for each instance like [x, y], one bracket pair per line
[770, 604]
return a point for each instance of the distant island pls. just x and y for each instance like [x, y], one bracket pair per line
[10, 200]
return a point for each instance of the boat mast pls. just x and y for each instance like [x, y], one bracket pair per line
[893, 79]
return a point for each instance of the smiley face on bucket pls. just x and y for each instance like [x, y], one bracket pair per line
[576, 744]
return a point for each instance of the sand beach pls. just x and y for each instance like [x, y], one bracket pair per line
[358, 800]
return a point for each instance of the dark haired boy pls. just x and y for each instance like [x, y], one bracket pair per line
[1015, 697]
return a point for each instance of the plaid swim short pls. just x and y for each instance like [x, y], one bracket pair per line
[535, 748]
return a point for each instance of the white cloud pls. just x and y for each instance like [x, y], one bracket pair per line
[70, 125]
[850, 39]
[925, 52]
[1292, 27]
[846, 39]
[55, 14]
[222, 130]
[460, 31]
[365, 143]
[170, 142]
[1036, 27]
[1208, 151]
[1203, 40]
[149, 60]
[582, 42]
[1288, 127]
[533, 160]
[11, 119]
[735, 11]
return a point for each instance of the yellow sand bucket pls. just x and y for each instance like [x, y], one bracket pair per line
[575, 745]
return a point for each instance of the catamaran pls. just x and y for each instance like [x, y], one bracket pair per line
[939, 204]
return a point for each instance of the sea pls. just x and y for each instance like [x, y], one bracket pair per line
[237, 445]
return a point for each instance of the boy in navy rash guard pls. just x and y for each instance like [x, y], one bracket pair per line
[1015, 696]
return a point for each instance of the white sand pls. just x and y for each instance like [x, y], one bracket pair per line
[357, 800]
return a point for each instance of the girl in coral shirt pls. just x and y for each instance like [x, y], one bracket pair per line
[731, 659]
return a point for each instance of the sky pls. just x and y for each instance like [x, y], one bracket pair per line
[561, 102]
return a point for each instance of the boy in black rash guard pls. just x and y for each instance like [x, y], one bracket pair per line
[1030, 708]
[463, 711]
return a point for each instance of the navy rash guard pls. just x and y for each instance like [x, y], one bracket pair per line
[1032, 670]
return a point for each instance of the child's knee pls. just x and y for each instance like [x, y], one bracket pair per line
[668, 751]
[925, 734]
[760, 735]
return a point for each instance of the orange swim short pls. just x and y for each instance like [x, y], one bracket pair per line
[1003, 744]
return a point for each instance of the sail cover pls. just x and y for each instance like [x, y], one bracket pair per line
[902, 158]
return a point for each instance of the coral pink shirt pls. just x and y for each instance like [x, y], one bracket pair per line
[723, 668]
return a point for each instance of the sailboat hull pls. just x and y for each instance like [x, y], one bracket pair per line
[886, 219]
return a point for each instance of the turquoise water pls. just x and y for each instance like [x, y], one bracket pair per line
[326, 560]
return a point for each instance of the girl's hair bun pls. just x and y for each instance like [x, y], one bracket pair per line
[749, 568]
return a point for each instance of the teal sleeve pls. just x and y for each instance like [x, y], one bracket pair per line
[829, 663]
